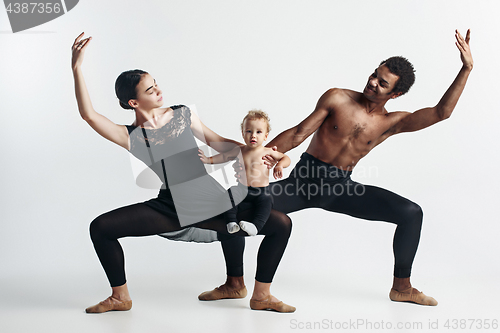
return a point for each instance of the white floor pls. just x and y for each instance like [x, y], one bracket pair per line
[56, 308]
[330, 294]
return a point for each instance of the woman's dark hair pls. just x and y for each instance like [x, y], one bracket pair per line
[125, 86]
[401, 67]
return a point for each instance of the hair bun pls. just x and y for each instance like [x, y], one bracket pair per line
[125, 86]
[125, 106]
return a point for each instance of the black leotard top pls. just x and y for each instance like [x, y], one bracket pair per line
[188, 192]
[170, 151]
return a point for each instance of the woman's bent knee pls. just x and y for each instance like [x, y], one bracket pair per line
[97, 228]
[285, 225]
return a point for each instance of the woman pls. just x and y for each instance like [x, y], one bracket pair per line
[176, 127]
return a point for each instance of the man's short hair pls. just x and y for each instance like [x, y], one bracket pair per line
[401, 67]
[257, 114]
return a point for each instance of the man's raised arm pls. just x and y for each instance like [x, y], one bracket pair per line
[428, 116]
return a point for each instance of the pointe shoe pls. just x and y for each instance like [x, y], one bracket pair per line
[268, 305]
[414, 296]
[222, 293]
[109, 306]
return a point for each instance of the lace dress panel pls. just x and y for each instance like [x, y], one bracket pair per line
[166, 133]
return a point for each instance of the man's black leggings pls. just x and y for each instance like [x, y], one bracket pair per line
[316, 184]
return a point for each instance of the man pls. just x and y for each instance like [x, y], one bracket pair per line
[347, 126]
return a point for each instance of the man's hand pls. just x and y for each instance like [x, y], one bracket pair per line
[269, 160]
[463, 45]
[420, 119]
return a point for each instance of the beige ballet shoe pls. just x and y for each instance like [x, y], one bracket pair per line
[268, 305]
[222, 293]
[110, 305]
[414, 296]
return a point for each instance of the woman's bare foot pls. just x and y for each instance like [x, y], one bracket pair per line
[118, 301]
[110, 304]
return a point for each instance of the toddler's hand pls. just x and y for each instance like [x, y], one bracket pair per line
[278, 172]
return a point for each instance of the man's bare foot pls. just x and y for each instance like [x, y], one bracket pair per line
[264, 297]
[401, 284]
[263, 300]
[412, 295]
[402, 291]
[233, 288]
[271, 303]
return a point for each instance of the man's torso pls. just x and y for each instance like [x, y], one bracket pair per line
[350, 132]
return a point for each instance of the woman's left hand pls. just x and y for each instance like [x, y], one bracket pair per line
[78, 49]
[203, 158]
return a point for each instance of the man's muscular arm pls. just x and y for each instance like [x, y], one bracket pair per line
[426, 117]
[294, 136]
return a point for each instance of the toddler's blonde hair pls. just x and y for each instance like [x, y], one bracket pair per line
[257, 114]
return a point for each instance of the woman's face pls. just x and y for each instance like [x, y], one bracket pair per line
[149, 95]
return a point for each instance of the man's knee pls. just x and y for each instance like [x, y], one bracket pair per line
[283, 224]
[414, 213]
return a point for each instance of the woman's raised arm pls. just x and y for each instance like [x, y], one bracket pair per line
[102, 125]
[212, 139]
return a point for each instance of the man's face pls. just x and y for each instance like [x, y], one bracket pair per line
[380, 85]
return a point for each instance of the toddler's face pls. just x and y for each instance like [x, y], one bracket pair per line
[255, 132]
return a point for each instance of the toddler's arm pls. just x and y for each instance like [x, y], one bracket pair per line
[219, 158]
[283, 162]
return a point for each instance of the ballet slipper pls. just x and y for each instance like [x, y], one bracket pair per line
[414, 296]
[222, 293]
[268, 305]
[110, 306]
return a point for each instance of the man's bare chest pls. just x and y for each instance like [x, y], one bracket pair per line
[356, 126]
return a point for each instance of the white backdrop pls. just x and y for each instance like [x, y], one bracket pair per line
[228, 57]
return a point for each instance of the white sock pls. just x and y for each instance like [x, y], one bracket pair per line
[233, 227]
[249, 228]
